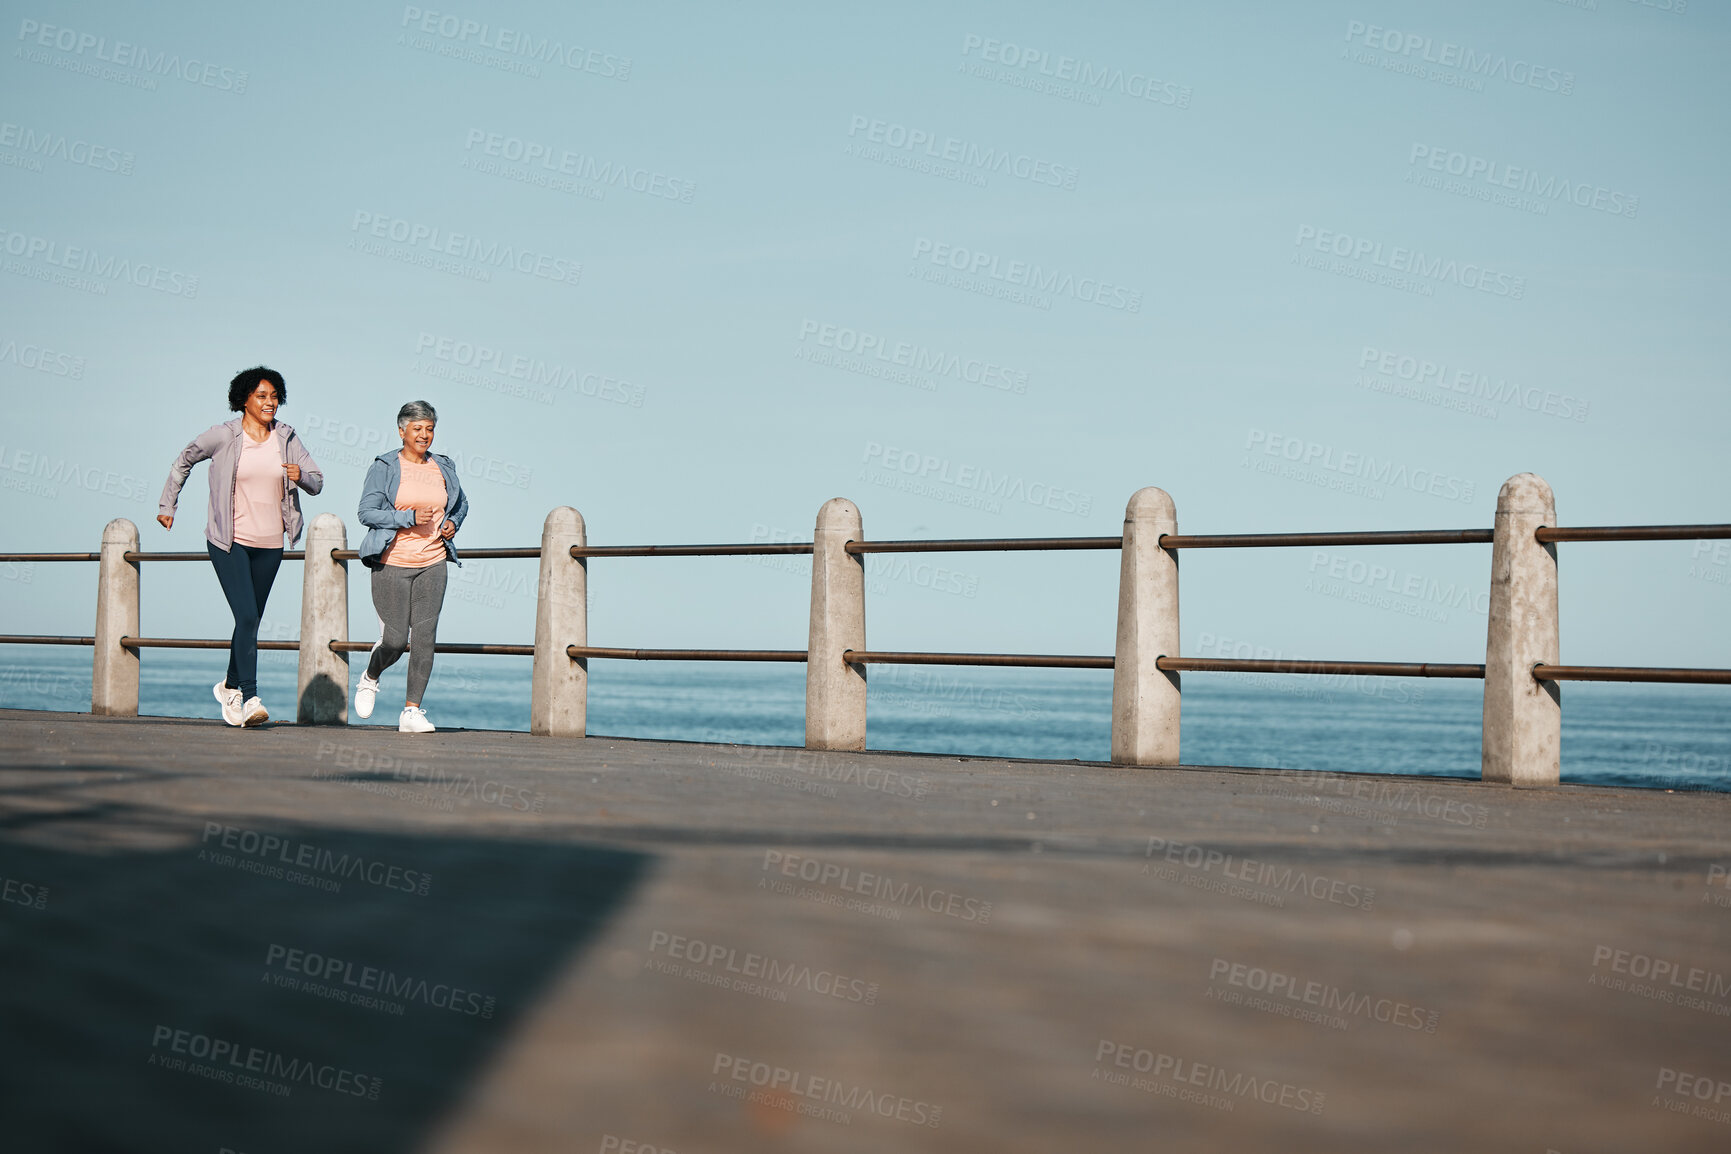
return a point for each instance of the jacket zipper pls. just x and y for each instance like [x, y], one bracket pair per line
[234, 483]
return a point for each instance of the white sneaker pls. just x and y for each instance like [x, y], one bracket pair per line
[253, 713]
[364, 694]
[231, 702]
[414, 720]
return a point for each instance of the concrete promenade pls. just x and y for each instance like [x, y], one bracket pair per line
[326, 939]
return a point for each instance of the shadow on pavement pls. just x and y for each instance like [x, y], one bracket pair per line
[272, 988]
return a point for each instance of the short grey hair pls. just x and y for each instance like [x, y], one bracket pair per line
[416, 411]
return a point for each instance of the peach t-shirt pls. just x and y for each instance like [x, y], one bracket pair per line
[258, 493]
[422, 487]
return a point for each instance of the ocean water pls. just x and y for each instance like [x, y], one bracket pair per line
[1654, 736]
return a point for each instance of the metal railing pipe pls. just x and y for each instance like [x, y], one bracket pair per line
[470, 648]
[133, 644]
[25, 558]
[1287, 540]
[985, 545]
[1550, 533]
[690, 550]
[41, 639]
[586, 651]
[1632, 673]
[1317, 667]
[1019, 660]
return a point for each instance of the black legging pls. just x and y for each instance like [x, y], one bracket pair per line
[246, 574]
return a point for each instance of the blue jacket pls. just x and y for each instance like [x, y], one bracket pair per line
[379, 512]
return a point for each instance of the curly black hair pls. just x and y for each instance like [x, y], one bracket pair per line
[247, 380]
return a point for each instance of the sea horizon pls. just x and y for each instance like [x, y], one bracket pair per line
[1643, 736]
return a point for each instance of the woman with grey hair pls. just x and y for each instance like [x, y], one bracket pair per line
[412, 505]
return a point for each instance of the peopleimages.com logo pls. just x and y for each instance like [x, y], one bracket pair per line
[1372, 261]
[275, 856]
[86, 52]
[1495, 177]
[1352, 470]
[924, 470]
[1069, 77]
[966, 153]
[35, 145]
[228, 1061]
[1184, 1074]
[1268, 883]
[25, 471]
[464, 34]
[345, 980]
[744, 969]
[797, 1092]
[1022, 274]
[1469, 383]
[1411, 51]
[88, 269]
[917, 358]
[555, 160]
[491, 367]
[423, 244]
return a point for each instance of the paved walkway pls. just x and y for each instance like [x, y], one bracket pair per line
[299, 940]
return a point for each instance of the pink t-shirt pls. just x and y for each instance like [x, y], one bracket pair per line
[422, 487]
[258, 493]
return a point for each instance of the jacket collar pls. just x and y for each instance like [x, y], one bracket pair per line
[394, 459]
[238, 427]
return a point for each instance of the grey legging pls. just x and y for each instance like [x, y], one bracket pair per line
[408, 601]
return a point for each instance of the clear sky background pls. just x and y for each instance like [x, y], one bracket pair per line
[1580, 330]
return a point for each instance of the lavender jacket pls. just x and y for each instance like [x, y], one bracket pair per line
[220, 445]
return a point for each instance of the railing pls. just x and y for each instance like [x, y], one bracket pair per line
[1522, 711]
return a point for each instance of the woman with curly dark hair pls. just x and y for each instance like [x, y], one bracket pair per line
[256, 465]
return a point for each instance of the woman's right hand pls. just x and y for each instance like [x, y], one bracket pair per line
[423, 516]
[166, 520]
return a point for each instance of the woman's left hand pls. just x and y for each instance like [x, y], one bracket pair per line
[447, 530]
[293, 471]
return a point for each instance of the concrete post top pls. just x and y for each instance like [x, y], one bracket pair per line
[328, 525]
[839, 513]
[119, 531]
[563, 519]
[1527, 493]
[1150, 504]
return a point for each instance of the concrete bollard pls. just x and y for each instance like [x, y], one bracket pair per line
[1145, 700]
[1523, 721]
[835, 692]
[322, 683]
[559, 684]
[113, 669]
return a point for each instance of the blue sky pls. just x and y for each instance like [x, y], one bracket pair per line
[1381, 256]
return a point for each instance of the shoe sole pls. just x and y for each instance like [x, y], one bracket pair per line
[256, 720]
